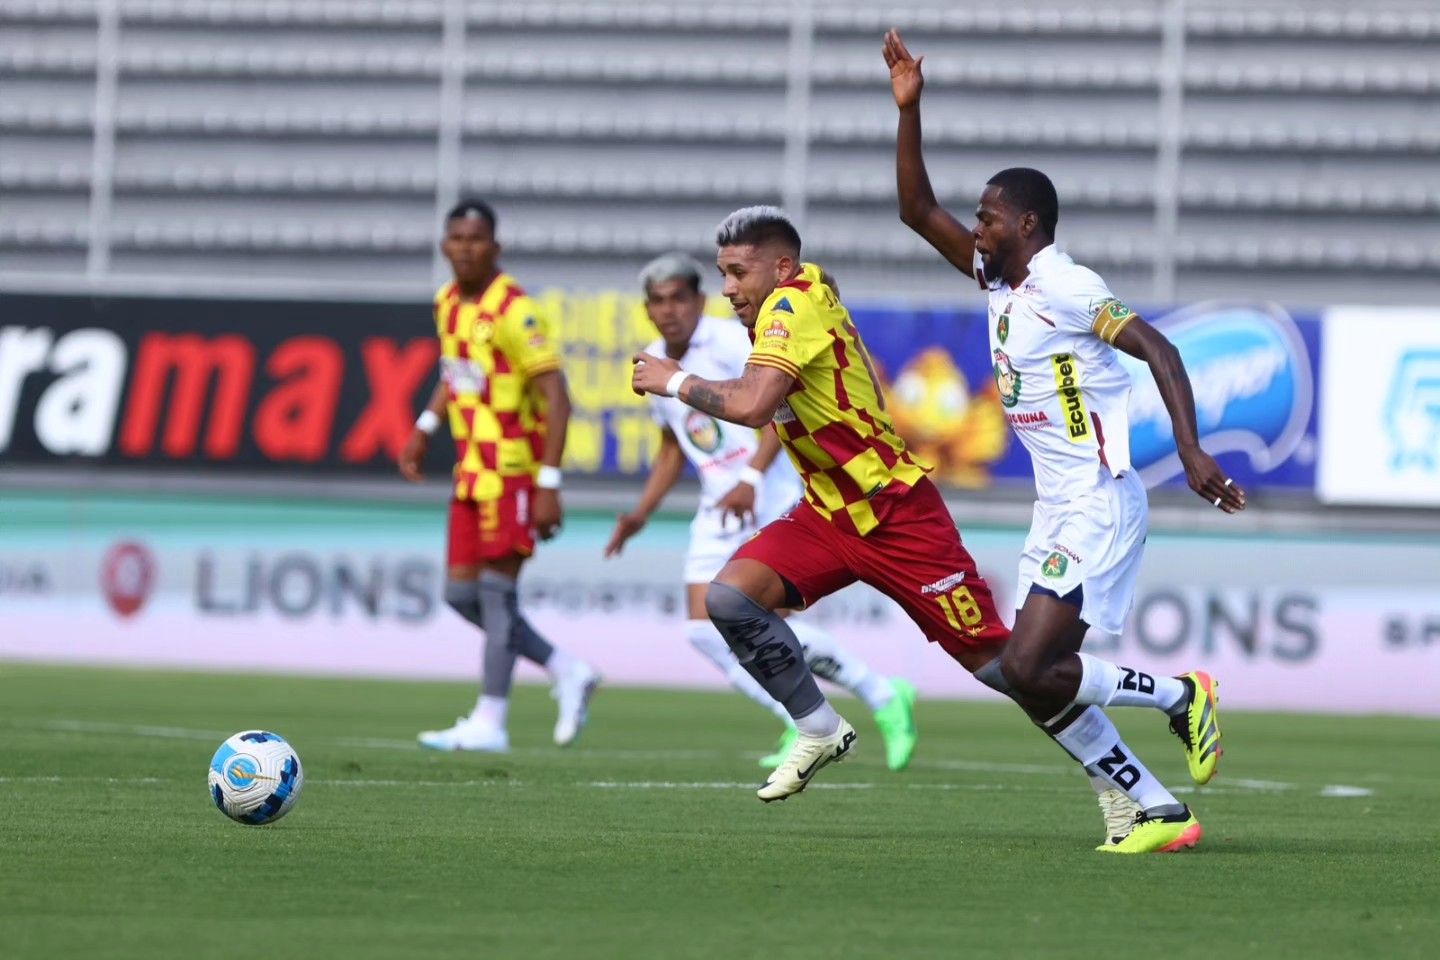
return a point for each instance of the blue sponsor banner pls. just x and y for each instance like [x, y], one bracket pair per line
[1252, 365]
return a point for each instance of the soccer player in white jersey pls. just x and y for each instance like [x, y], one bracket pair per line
[1054, 331]
[744, 484]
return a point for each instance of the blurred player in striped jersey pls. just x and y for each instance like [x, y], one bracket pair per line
[507, 406]
[1055, 328]
[744, 484]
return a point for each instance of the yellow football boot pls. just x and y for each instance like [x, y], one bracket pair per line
[1163, 834]
[1199, 726]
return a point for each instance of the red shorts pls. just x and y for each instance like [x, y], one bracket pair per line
[483, 530]
[914, 557]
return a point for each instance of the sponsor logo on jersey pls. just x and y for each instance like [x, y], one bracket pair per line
[1007, 379]
[462, 376]
[944, 585]
[1055, 565]
[783, 413]
[1253, 382]
[1032, 422]
[783, 306]
[703, 431]
[1002, 326]
[1072, 402]
[777, 329]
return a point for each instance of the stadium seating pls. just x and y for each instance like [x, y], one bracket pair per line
[607, 131]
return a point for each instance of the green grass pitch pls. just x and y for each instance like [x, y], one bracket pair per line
[646, 840]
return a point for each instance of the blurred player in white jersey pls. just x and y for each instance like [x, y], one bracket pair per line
[744, 485]
[1054, 331]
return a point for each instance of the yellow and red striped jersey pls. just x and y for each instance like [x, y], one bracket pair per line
[832, 422]
[491, 347]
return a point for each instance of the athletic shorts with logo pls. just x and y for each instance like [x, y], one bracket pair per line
[714, 538]
[486, 530]
[1094, 542]
[914, 556]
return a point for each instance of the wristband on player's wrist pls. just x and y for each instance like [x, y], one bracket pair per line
[428, 422]
[548, 478]
[672, 386]
[750, 475]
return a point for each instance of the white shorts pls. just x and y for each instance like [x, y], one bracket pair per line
[711, 545]
[1094, 542]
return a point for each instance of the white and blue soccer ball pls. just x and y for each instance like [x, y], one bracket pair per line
[255, 777]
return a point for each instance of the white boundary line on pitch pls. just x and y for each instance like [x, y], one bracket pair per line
[1333, 791]
[1230, 786]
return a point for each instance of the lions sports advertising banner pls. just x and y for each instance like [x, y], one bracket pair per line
[334, 387]
[1381, 430]
[1287, 623]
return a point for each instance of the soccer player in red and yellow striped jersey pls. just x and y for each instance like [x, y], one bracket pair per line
[869, 513]
[504, 395]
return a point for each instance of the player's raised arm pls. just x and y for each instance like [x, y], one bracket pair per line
[919, 210]
[749, 400]
[1143, 342]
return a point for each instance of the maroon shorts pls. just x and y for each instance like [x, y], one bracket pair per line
[485, 530]
[914, 557]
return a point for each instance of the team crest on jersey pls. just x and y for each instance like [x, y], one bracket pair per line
[1055, 565]
[783, 305]
[777, 329]
[1002, 326]
[703, 431]
[1007, 379]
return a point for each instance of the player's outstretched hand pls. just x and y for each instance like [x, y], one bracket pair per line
[738, 503]
[413, 455]
[1209, 481]
[652, 374]
[546, 513]
[906, 80]
[626, 526]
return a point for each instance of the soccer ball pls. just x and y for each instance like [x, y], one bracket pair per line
[255, 777]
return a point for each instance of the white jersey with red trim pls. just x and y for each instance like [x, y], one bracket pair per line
[1061, 383]
[719, 450]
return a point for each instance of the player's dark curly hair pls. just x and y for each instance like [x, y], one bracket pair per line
[1030, 191]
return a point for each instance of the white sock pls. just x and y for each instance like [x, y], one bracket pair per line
[1106, 684]
[561, 663]
[828, 660]
[1093, 740]
[821, 722]
[1100, 784]
[492, 710]
[704, 636]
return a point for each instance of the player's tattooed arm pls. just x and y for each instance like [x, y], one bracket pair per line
[919, 210]
[1144, 342]
[749, 400]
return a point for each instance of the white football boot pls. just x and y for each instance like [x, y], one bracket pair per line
[1119, 812]
[573, 691]
[804, 760]
[468, 734]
